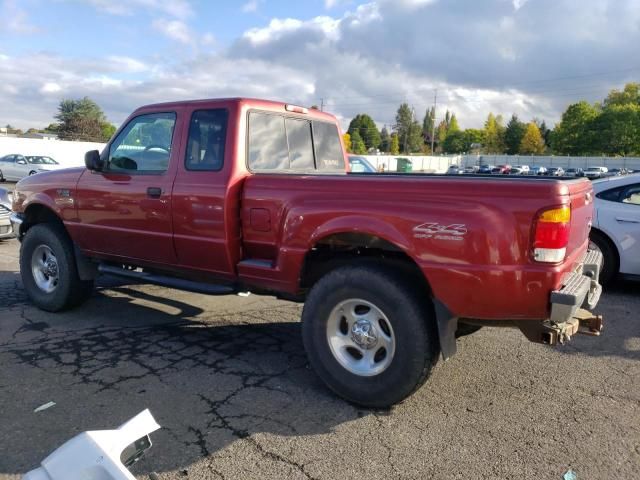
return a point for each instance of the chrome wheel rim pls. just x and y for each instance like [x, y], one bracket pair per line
[44, 267]
[361, 337]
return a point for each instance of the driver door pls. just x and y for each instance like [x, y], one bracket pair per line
[124, 211]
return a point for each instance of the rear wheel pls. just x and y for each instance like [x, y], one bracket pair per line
[48, 269]
[2, 179]
[32, 172]
[611, 263]
[369, 334]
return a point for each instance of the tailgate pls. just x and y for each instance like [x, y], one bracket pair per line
[582, 197]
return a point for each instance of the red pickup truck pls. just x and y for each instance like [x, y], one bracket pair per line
[229, 195]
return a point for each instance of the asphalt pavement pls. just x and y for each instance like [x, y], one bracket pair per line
[228, 380]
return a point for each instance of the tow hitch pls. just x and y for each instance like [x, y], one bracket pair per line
[583, 322]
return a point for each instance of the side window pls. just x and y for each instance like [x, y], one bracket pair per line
[267, 142]
[144, 145]
[612, 195]
[207, 135]
[326, 139]
[632, 195]
[300, 144]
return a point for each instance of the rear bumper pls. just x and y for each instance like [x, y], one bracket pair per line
[16, 220]
[571, 305]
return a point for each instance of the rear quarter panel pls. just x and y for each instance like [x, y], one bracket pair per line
[471, 237]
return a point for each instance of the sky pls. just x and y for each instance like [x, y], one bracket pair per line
[529, 57]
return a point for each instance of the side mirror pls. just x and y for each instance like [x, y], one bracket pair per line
[21, 162]
[93, 161]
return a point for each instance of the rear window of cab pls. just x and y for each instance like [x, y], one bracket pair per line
[288, 144]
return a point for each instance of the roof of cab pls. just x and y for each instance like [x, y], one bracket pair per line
[258, 103]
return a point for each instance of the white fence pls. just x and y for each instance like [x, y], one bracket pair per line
[440, 164]
[68, 154]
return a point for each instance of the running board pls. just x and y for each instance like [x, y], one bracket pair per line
[166, 281]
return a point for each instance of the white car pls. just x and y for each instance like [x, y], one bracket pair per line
[524, 169]
[616, 225]
[596, 172]
[16, 167]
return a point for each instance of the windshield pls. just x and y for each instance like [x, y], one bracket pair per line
[41, 161]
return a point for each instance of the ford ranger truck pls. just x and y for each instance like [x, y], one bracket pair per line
[229, 195]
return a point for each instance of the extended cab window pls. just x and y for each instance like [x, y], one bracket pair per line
[293, 144]
[326, 139]
[144, 145]
[207, 134]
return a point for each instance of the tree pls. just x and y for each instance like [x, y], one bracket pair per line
[367, 129]
[357, 144]
[532, 142]
[51, 128]
[493, 134]
[82, 120]
[575, 134]
[385, 140]
[513, 135]
[473, 136]
[629, 95]
[453, 124]
[404, 122]
[618, 128]
[346, 139]
[395, 144]
[441, 133]
[428, 124]
[415, 141]
[544, 131]
[455, 142]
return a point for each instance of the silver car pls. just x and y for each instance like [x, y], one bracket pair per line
[15, 167]
[6, 230]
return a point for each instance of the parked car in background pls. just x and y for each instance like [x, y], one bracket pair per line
[596, 172]
[574, 172]
[455, 170]
[555, 171]
[485, 169]
[539, 170]
[501, 169]
[15, 167]
[471, 169]
[616, 225]
[516, 171]
[524, 169]
[361, 165]
[6, 230]
[617, 172]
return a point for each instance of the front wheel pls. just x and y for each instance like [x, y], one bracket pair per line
[48, 269]
[369, 334]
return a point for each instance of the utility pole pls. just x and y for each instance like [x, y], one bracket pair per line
[433, 125]
[322, 104]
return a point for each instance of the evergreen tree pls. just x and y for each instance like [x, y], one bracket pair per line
[385, 140]
[367, 129]
[493, 134]
[513, 135]
[395, 144]
[357, 144]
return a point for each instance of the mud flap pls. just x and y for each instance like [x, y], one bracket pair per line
[447, 326]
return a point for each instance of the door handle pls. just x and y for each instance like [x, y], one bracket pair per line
[154, 192]
[627, 220]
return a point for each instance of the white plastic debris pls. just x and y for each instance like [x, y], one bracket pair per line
[44, 407]
[569, 475]
[244, 294]
[96, 454]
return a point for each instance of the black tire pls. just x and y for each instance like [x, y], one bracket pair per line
[465, 329]
[70, 290]
[412, 320]
[611, 261]
[32, 172]
[2, 179]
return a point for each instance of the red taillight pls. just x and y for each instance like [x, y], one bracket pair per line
[552, 235]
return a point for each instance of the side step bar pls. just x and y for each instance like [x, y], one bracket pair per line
[166, 281]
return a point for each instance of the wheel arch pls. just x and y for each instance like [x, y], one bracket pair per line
[610, 240]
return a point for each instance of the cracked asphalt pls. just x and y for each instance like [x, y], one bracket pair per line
[228, 380]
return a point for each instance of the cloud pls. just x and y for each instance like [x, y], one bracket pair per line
[174, 29]
[251, 6]
[174, 8]
[496, 55]
[15, 19]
